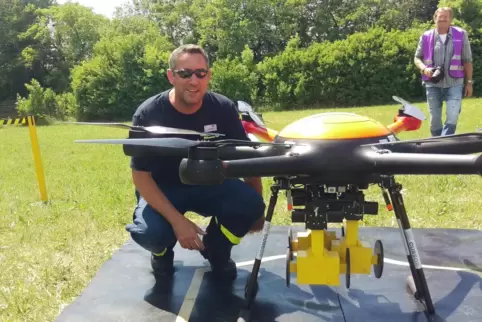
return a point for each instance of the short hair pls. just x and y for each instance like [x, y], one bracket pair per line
[188, 48]
[450, 11]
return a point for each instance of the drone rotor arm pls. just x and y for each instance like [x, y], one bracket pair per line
[421, 164]
[465, 143]
[248, 152]
[215, 171]
[264, 167]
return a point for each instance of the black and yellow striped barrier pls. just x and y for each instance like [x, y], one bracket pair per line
[17, 121]
[30, 121]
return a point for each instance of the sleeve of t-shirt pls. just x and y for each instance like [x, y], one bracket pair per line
[466, 50]
[234, 126]
[419, 50]
[140, 163]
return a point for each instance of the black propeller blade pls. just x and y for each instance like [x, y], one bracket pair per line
[410, 109]
[225, 149]
[180, 143]
[169, 143]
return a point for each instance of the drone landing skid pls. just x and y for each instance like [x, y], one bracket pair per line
[318, 248]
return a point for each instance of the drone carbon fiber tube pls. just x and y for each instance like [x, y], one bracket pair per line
[438, 147]
[244, 152]
[365, 162]
[465, 143]
[359, 164]
[421, 164]
[296, 164]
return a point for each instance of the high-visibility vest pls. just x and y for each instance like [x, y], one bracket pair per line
[456, 69]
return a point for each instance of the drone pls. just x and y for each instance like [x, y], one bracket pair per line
[323, 162]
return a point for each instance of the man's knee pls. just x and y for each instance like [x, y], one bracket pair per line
[453, 111]
[244, 208]
[257, 225]
[255, 205]
[255, 211]
[151, 231]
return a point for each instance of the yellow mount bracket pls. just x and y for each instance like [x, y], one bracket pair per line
[322, 257]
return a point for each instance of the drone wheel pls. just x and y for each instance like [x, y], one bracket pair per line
[378, 267]
[244, 315]
[289, 254]
[348, 274]
[290, 243]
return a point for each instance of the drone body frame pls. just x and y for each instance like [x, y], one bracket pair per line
[324, 163]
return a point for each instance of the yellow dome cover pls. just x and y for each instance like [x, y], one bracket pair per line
[334, 126]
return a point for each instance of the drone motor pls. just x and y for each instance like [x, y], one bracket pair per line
[202, 166]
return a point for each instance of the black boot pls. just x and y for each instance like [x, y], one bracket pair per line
[163, 265]
[218, 252]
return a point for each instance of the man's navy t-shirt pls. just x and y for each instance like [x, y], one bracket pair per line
[217, 114]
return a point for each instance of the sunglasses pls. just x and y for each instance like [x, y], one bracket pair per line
[187, 73]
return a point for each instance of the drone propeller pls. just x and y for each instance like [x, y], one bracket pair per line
[169, 143]
[229, 149]
[410, 109]
[180, 143]
[464, 143]
[256, 119]
[155, 129]
[244, 107]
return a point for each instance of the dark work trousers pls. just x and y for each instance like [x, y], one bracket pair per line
[233, 205]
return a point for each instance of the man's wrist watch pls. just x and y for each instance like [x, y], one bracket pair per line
[470, 81]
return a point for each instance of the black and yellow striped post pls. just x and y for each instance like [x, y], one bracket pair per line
[30, 121]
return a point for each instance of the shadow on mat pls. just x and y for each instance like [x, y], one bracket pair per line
[223, 302]
[359, 303]
[450, 304]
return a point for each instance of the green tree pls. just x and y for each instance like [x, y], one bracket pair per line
[15, 18]
[126, 68]
[65, 36]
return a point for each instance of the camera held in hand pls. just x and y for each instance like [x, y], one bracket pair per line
[437, 74]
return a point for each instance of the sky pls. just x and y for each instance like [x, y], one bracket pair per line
[104, 7]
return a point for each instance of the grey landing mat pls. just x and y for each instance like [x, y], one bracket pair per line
[124, 289]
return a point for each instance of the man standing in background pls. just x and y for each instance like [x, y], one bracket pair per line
[444, 58]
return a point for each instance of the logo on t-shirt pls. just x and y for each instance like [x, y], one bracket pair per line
[210, 128]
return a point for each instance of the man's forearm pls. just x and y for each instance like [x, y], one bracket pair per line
[255, 183]
[149, 190]
[468, 69]
[419, 63]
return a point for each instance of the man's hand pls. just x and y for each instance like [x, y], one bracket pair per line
[427, 72]
[255, 183]
[258, 225]
[468, 89]
[187, 234]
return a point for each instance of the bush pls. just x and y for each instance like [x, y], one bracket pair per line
[366, 68]
[235, 77]
[125, 70]
[45, 104]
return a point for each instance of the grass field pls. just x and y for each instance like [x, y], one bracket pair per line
[49, 252]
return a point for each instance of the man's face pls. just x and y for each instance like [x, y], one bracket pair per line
[443, 19]
[191, 89]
